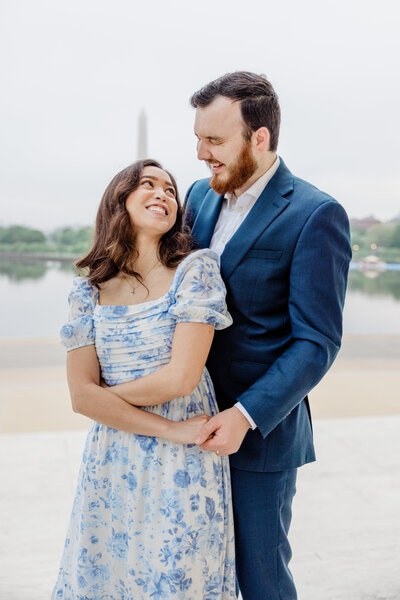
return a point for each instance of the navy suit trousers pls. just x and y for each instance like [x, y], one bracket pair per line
[262, 507]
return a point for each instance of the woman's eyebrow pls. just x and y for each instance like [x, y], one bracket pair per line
[157, 179]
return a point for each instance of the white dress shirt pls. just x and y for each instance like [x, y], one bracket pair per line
[233, 213]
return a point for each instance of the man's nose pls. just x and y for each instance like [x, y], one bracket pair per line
[203, 152]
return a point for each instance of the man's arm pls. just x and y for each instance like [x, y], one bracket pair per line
[188, 194]
[193, 200]
[318, 279]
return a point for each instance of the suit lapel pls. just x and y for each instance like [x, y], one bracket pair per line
[206, 219]
[268, 206]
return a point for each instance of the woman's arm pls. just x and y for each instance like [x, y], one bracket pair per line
[190, 347]
[99, 404]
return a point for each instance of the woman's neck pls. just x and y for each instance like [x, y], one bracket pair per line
[147, 253]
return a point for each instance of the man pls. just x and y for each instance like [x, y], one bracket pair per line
[285, 251]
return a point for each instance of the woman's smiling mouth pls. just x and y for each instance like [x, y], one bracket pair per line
[157, 208]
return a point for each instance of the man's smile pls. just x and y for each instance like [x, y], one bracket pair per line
[215, 166]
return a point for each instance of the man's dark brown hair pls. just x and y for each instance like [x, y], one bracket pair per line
[258, 101]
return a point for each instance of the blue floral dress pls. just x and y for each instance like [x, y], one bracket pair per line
[151, 519]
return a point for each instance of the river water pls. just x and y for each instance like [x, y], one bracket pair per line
[33, 300]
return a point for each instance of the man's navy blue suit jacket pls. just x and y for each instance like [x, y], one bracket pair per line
[285, 270]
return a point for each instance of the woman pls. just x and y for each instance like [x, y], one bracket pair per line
[152, 515]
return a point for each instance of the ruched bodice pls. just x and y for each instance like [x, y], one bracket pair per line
[141, 339]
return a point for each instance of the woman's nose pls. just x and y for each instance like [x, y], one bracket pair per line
[161, 195]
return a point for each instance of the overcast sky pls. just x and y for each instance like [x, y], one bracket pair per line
[76, 75]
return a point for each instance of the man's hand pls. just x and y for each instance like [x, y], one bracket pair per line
[227, 429]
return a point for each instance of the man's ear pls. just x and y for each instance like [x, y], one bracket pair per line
[261, 139]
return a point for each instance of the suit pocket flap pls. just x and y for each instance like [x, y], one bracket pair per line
[245, 371]
[265, 254]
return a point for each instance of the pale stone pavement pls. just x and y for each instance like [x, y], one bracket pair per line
[345, 533]
[346, 524]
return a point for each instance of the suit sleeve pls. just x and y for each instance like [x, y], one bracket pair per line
[318, 279]
[194, 199]
[187, 209]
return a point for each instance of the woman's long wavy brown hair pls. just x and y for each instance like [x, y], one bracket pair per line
[113, 249]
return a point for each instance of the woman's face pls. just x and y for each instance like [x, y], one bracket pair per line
[152, 207]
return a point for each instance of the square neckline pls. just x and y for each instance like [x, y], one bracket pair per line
[147, 302]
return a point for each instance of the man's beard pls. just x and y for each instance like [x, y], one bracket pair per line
[244, 167]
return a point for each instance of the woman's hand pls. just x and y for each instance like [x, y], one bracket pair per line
[185, 432]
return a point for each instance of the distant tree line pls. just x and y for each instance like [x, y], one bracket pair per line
[67, 240]
[382, 239]
[17, 234]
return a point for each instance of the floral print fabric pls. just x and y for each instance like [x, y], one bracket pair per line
[151, 519]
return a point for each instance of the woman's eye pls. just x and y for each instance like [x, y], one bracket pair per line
[147, 182]
[171, 192]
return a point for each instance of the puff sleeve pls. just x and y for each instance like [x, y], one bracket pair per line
[199, 295]
[79, 329]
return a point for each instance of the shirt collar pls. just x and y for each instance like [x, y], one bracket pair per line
[254, 191]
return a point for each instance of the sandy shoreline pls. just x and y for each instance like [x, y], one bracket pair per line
[364, 381]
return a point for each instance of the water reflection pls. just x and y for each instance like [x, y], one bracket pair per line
[16, 271]
[31, 270]
[372, 304]
[373, 283]
[380, 284]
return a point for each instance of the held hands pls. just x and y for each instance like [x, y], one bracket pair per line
[186, 432]
[224, 433]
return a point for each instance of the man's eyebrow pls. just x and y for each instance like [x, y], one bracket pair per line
[212, 138]
[157, 179]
